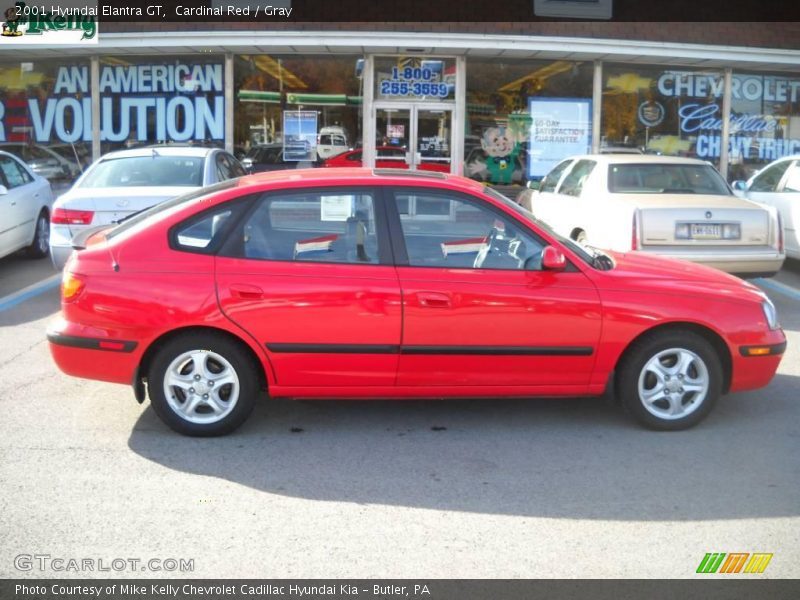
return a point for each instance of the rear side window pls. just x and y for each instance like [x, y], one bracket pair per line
[200, 233]
[328, 227]
[13, 174]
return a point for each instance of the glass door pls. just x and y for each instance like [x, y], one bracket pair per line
[414, 136]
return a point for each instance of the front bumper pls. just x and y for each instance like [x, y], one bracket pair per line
[736, 261]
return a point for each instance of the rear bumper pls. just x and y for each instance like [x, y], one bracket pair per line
[742, 262]
[60, 245]
[82, 353]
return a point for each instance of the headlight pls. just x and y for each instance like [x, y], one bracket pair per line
[770, 314]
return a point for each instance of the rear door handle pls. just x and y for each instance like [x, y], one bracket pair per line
[434, 300]
[245, 291]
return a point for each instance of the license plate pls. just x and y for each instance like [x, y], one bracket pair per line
[705, 231]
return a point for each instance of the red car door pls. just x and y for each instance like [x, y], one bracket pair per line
[478, 309]
[308, 275]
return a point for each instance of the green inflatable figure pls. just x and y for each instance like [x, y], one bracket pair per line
[502, 147]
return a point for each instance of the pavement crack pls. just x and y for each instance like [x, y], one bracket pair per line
[25, 351]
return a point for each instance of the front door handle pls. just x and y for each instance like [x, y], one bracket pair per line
[434, 300]
[245, 291]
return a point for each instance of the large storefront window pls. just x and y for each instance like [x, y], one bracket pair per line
[524, 116]
[45, 116]
[765, 121]
[294, 110]
[660, 110]
[161, 100]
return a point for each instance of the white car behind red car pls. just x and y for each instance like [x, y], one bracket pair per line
[25, 203]
[124, 182]
[676, 207]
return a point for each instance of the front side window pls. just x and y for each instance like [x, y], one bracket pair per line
[550, 180]
[573, 183]
[328, 227]
[467, 234]
[769, 178]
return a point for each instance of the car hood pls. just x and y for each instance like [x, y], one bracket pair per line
[686, 201]
[645, 272]
[119, 198]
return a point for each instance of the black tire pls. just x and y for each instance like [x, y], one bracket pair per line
[684, 357]
[216, 411]
[40, 246]
[579, 236]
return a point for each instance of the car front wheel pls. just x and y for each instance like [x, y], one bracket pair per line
[202, 385]
[671, 380]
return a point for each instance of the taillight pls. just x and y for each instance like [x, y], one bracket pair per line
[71, 286]
[634, 234]
[780, 233]
[66, 216]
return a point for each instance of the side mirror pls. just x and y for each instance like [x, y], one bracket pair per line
[739, 185]
[533, 184]
[3, 190]
[553, 259]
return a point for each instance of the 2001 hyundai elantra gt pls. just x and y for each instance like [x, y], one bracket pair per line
[361, 284]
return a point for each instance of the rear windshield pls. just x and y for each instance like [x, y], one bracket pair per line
[654, 178]
[147, 171]
[153, 211]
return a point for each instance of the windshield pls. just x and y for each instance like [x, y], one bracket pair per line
[587, 255]
[656, 178]
[148, 171]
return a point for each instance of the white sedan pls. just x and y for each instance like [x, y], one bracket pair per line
[778, 185]
[124, 182]
[25, 202]
[676, 207]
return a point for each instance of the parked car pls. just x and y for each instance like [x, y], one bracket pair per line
[331, 141]
[677, 207]
[25, 204]
[43, 161]
[270, 157]
[290, 282]
[128, 181]
[388, 157]
[778, 185]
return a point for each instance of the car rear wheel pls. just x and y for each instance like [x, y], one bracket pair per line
[40, 246]
[671, 380]
[202, 385]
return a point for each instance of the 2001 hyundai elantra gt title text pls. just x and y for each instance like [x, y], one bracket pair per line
[351, 283]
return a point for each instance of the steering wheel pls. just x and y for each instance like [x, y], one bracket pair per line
[489, 245]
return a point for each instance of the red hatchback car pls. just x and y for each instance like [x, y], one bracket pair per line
[352, 283]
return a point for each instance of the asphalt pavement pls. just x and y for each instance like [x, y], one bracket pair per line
[465, 489]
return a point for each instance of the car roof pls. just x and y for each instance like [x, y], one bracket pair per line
[360, 176]
[194, 151]
[640, 159]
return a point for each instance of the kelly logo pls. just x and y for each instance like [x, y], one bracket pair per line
[64, 25]
[734, 562]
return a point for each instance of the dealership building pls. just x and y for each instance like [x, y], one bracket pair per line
[500, 102]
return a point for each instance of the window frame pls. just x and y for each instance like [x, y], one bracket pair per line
[228, 248]
[399, 248]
